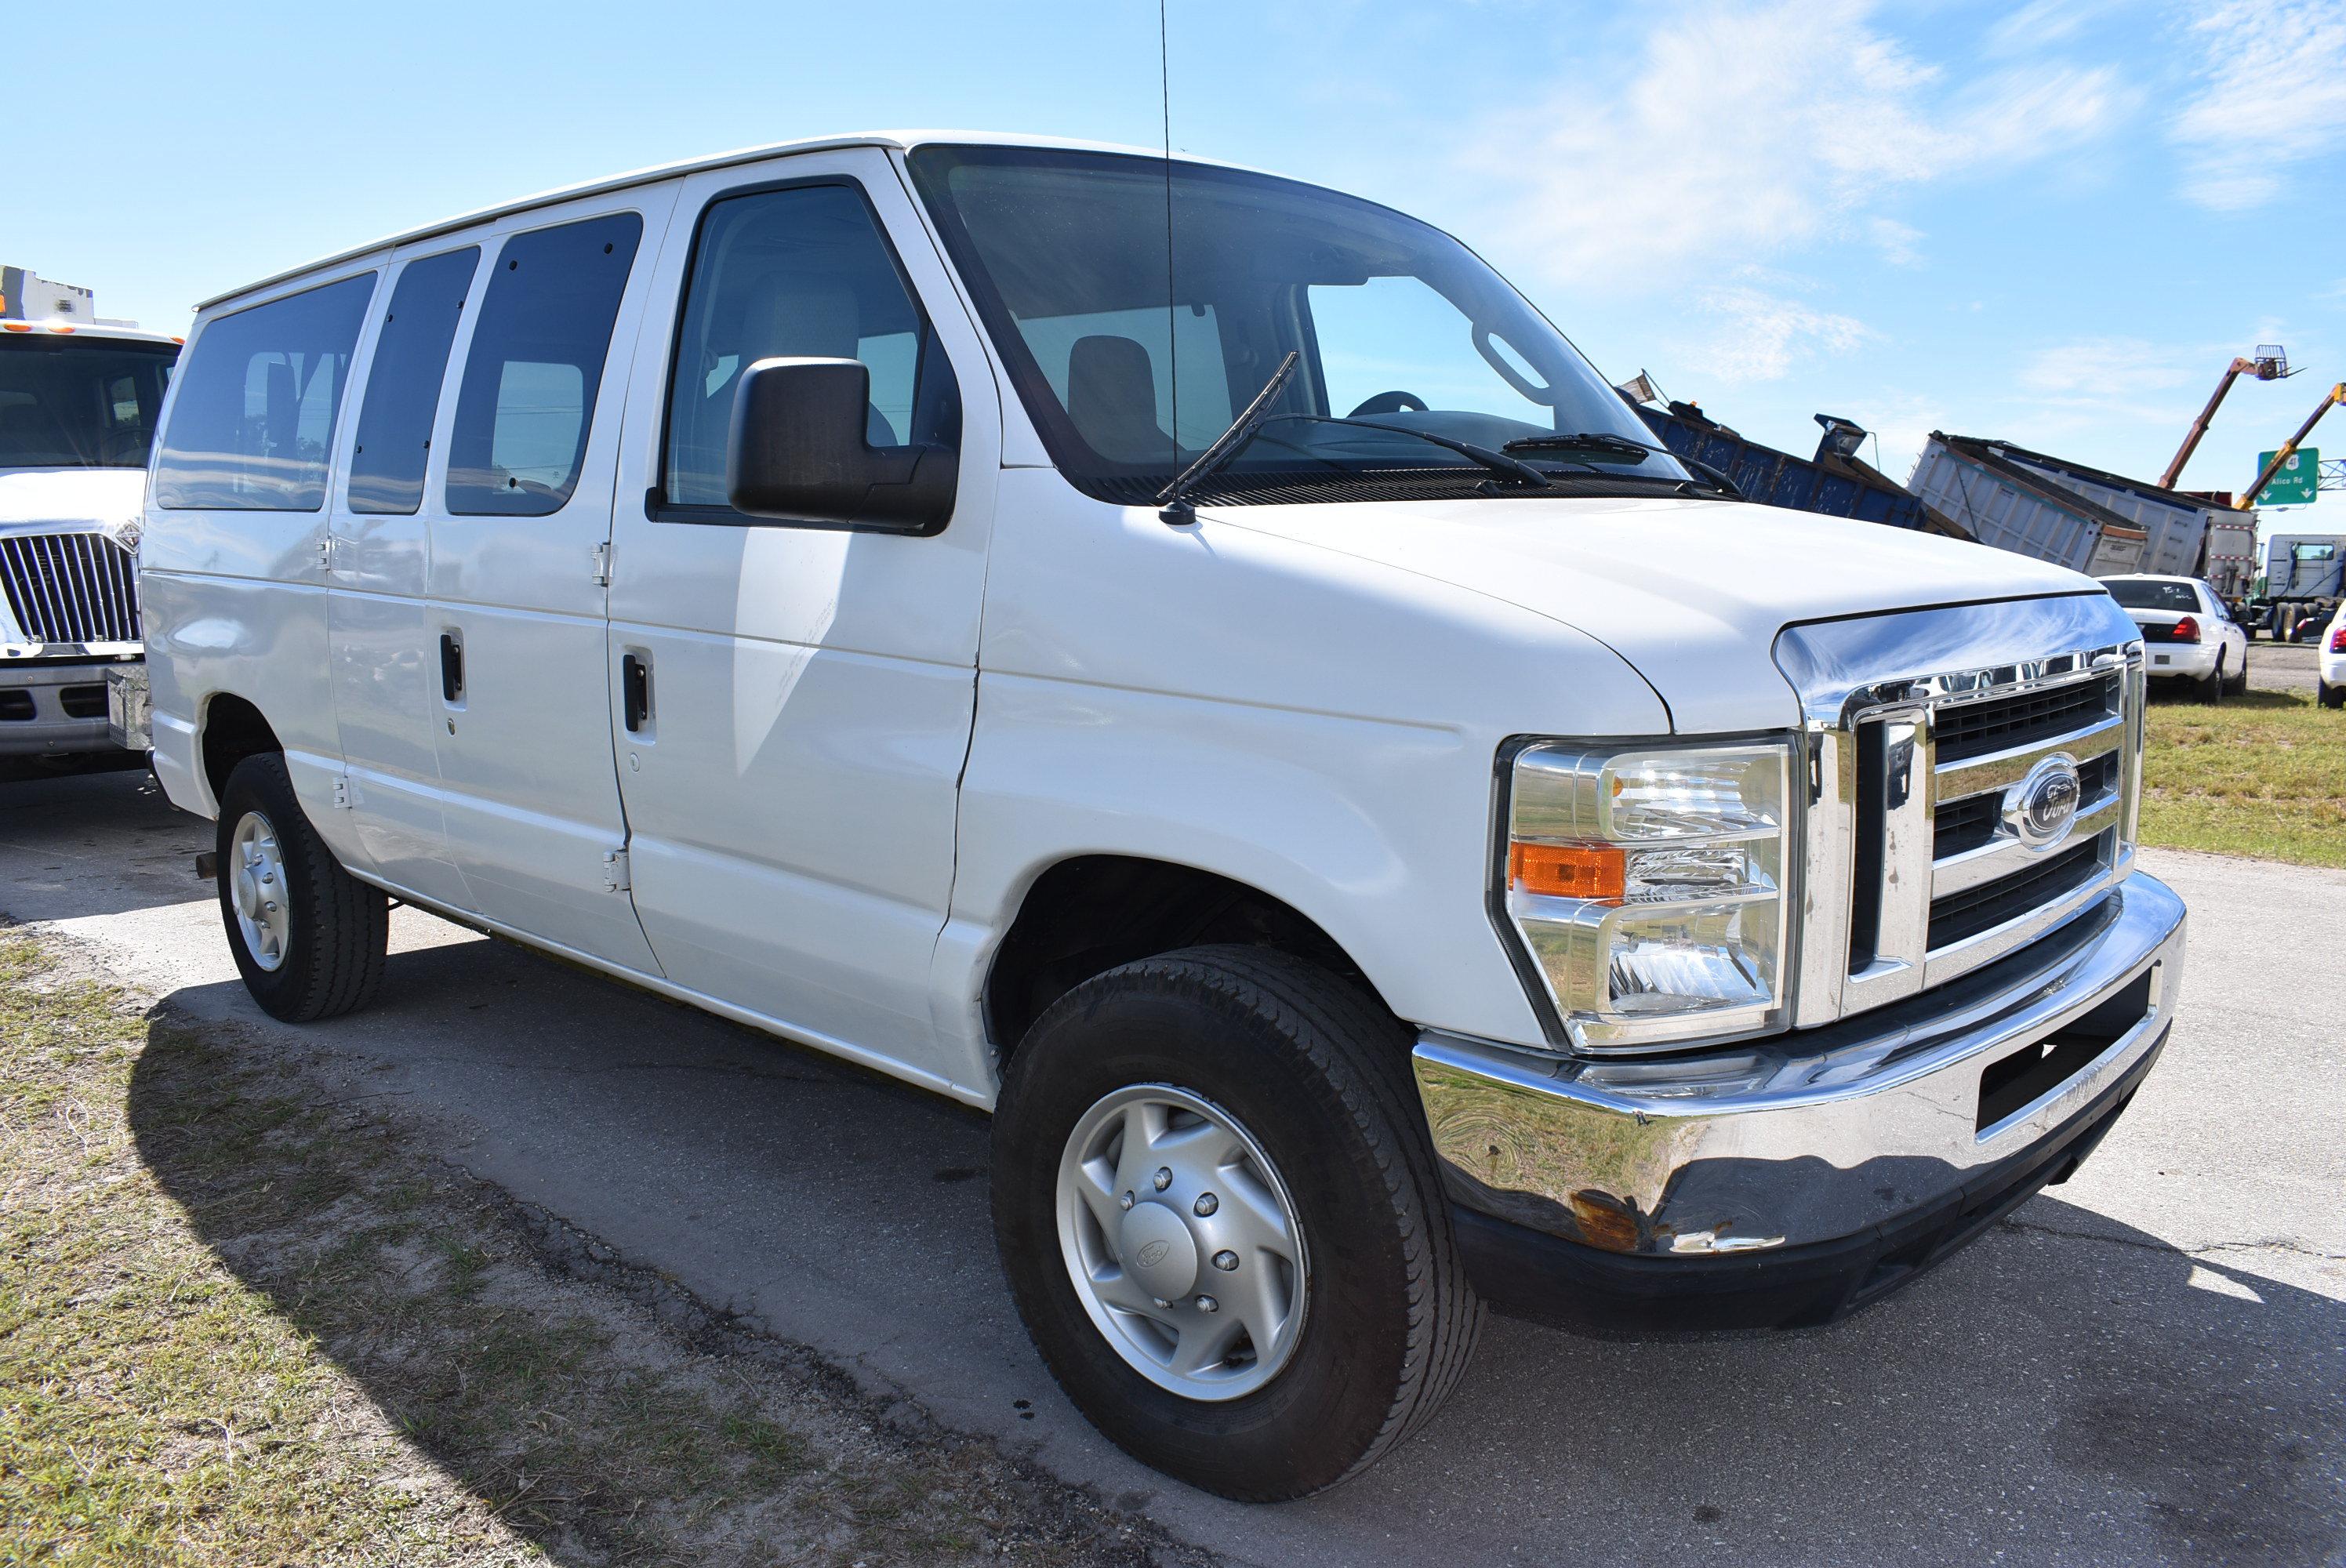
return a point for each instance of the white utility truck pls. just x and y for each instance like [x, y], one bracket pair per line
[79, 397]
[1195, 664]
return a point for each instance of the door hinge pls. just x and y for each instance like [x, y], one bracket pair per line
[325, 552]
[343, 793]
[602, 566]
[614, 872]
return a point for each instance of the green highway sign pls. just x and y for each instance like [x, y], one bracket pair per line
[2298, 481]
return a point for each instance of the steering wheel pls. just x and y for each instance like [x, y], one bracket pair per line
[125, 447]
[1391, 402]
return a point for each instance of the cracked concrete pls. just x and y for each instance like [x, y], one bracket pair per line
[2170, 1396]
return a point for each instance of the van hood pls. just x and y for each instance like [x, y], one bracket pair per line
[74, 497]
[1691, 593]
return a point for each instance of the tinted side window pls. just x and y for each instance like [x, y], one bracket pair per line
[403, 390]
[802, 272]
[254, 422]
[527, 401]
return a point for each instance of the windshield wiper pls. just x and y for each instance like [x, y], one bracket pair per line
[1587, 441]
[1173, 501]
[1498, 463]
[1627, 447]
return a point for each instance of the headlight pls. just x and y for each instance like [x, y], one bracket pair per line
[1648, 886]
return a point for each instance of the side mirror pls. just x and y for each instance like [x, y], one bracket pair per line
[798, 449]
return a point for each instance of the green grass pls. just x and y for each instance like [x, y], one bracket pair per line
[244, 1319]
[2262, 774]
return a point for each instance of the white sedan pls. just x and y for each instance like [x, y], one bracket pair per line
[2186, 633]
[2332, 659]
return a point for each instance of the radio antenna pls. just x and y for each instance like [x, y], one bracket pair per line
[1172, 300]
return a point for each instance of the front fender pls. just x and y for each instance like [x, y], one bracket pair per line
[1378, 833]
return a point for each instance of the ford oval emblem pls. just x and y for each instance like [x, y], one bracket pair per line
[2039, 809]
[1150, 1255]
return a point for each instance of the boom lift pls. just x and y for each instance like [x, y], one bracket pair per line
[2288, 605]
[2270, 363]
[2329, 399]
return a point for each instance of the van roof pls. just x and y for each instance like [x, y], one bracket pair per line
[895, 140]
[99, 330]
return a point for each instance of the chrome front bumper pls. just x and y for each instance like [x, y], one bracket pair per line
[1818, 1135]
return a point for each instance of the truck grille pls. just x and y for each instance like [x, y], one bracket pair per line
[1921, 728]
[1997, 724]
[1959, 917]
[79, 587]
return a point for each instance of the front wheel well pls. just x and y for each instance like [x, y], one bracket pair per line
[1086, 915]
[233, 731]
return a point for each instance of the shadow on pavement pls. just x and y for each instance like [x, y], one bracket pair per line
[2066, 1389]
[96, 843]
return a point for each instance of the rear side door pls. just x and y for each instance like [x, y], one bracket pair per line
[520, 519]
[795, 698]
[383, 645]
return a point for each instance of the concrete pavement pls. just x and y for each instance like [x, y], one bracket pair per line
[2146, 1364]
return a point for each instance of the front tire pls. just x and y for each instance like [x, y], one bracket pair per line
[1277, 1331]
[309, 938]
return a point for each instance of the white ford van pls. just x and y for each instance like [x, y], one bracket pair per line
[1246, 703]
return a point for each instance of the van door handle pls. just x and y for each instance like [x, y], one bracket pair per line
[635, 691]
[452, 668]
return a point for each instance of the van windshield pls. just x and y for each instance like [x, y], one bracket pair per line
[1129, 377]
[79, 402]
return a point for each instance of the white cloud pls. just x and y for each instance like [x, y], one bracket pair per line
[2041, 22]
[2097, 367]
[2272, 94]
[1755, 336]
[1900, 244]
[1742, 132]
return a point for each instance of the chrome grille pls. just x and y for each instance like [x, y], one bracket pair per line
[80, 587]
[1919, 726]
[1976, 728]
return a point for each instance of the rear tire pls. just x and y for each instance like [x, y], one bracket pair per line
[1316, 1074]
[309, 938]
[2240, 680]
[2214, 684]
[2332, 696]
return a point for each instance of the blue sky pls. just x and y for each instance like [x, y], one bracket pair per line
[2052, 221]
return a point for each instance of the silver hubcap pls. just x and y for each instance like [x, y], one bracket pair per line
[1182, 1242]
[255, 889]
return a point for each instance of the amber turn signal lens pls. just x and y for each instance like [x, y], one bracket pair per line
[1566, 871]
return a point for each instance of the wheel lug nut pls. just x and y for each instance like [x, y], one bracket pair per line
[1160, 1301]
[1207, 1203]
[1164, 1178]
[1226, 1260]
[1208, 1304]
[1124, 1202]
